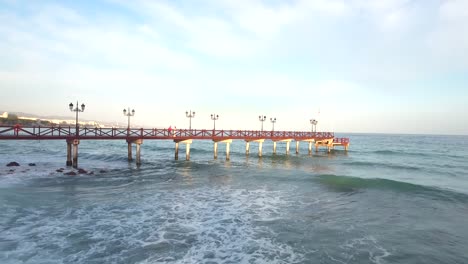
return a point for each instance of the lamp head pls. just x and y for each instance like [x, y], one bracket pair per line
[82, 107]
[125, 111]
[133, 111]
[71, 106]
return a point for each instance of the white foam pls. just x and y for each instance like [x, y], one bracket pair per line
[377, 253]
[181, 226]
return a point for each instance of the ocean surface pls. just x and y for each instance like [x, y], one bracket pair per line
[389, 199]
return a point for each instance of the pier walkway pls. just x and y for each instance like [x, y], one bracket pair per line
[73, 135]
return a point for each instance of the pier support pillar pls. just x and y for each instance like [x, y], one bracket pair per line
[297, 147]
[228, 142]
[76, 142]
[227, 151]
[187, 148]
[69, 153]
[260, 144]
[138, 143]
[310, 147]
[176, 151]
[187, 151]
[287, 147]
[130, 158]
[274, 147]
[215, 150]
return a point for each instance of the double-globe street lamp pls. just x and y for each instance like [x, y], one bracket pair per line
[77, 110]
[314, 122]
[190, 115]
[214, 117]
[262, 119]
[273, 121]
[129, 114]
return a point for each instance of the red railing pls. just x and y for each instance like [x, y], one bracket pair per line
[342, 141]
[57, 132]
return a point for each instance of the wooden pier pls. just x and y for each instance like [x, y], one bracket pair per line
[72, 136]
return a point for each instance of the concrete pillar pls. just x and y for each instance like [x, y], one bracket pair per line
[274, 147]
[130, 158]
[227, 150]
[287, 147]
[187, 151]
[215, 150]
[176, 150]
[310, 147]
[297, 147]
[346, 148]
[260, 148]
[138, 154]
[247, 148]
[69, 153]
[76, 142]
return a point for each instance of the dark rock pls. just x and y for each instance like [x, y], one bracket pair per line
[32, 164]
[72, 173]
[91, 173]
[13, 163]
[59, 170]
[82, 171]
[102, 171]
[12, 170]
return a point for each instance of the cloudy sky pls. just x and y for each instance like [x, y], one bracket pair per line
[387, 66]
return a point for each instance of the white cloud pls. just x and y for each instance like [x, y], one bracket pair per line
[239, 56]
[454, 10]
[448, 41]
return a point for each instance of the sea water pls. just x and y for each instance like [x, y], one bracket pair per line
[389, 199]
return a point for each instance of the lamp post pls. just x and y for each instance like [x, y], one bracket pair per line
[314, 122]
[214, 117]
[190, 115]
[129, 114]
[261, 119]
[76, 110]
[273, 121]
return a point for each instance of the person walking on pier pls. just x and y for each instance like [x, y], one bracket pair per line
[169, 130]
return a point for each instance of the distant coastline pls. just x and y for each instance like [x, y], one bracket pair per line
[13, 118]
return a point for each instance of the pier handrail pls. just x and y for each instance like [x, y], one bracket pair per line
[64, 132]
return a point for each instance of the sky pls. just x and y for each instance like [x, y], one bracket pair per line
[387, 66]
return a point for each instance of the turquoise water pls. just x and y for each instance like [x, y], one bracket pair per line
[389, 199]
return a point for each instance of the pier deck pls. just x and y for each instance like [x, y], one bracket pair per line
[73, 135]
